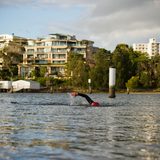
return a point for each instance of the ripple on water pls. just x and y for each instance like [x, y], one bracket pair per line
[49, 126]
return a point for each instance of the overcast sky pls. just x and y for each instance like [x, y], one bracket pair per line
[106, 22]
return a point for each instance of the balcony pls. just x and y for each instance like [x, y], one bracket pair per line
[58, 62]
[41, 62]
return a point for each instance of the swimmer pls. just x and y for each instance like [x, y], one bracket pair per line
[90, 101]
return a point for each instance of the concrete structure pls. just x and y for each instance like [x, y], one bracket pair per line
[152, 48]
[5, 85]
[112, 82]
[51, 52]
[25, 84]
[15, 86]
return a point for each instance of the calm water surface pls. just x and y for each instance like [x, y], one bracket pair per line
[56, 126]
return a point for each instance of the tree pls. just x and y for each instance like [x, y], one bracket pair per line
[121, 60]
[155, 71]
[144, 70]
[43, 71]
[11, 55]
[158, 75]
[77, 70]
[144, 80]
[100, 72]
[133, 82]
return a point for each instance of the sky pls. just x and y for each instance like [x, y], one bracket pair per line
[106, 22]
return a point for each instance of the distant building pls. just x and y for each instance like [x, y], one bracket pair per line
[51, 52]
[152, 48]
[6, 39]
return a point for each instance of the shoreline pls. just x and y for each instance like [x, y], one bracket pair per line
[86, 91]
[83, 91]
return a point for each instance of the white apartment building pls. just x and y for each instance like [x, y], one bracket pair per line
[51, 52]
[6, 39]
[152, 48]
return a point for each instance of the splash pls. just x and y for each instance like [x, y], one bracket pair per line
[71, 99]
[76, 101]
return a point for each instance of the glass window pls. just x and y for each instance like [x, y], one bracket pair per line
[40, 49]
[47, 50]
[48, 43]
[30, 50]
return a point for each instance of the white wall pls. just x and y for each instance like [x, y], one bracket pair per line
[5, 84]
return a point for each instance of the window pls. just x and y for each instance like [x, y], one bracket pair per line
[58, 56]
[30, 50]
[41, 61]
[40, 49]
[42, 56]
[47, 50]
[48, 43]
[58, 62]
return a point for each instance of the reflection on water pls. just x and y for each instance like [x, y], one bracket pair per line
[54, 126]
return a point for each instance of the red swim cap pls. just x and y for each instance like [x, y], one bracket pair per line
[94, 104]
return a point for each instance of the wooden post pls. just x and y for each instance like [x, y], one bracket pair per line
[112, 82]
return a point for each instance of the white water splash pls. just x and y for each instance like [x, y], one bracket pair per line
[71, 99]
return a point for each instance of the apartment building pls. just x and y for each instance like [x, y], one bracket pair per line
[51, 52]
[12, 40]
[6, 39]
[152, 48]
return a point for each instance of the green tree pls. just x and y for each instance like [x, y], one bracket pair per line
[144, 80]
[155, 71]
[43, 71]
[77, 70]
[133, 82]
[11, 55]
[121, 60]
[100, 71]
[144, 70]
[158, 75]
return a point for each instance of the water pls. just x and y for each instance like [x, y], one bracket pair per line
[56, 126]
